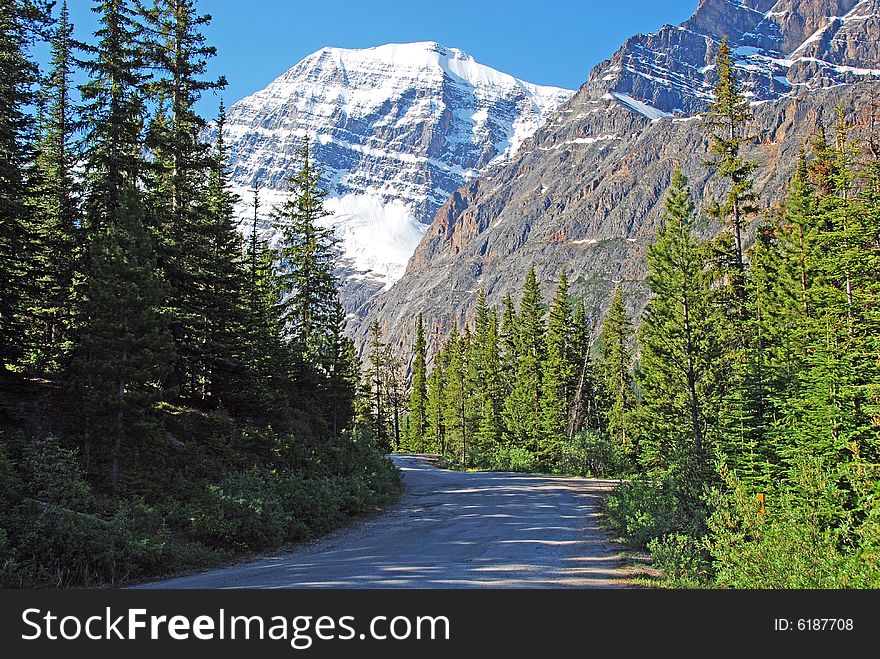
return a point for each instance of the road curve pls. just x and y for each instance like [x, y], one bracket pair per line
[451, 530]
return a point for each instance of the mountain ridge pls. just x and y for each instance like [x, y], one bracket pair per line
[585, 191]
[396, 128]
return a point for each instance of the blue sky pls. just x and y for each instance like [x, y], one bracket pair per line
[550, 42]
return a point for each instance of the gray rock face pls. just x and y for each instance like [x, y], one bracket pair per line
[396, 128]
[586, 192]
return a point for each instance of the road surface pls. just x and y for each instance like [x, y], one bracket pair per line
[451, 530]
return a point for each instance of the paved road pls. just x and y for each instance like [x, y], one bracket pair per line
[451, 530]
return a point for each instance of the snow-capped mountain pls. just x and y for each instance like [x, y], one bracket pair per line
[396, 128]
[781, 48]
[586, 191]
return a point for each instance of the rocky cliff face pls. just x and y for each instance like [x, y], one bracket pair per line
[586, 192]
[396, 128]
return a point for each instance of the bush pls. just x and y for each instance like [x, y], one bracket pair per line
[514, 458]
[803, 538]
[683, 560]
[593, 453]
[640, 511]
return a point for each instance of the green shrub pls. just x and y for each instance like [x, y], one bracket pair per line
[53, 474]
[593, 453]
[514, 458]
[683, 560]
[640, 511]
[803, 539]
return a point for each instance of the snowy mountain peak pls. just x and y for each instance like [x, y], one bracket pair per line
[779, 47]
[397, 128]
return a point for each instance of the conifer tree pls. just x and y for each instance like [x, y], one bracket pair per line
[418, 419]
[522, 407]
[56, 208]
[124, 349]
[223, 343]
[377, 388]
[585, 409]
[307, 256]
[615, 360]
[726, 121]
[18, 75]
[679, 345]
[485, 380]
[456, 398]
[558, 371]
[114, 113]
[174, 49]
[343, 375]
[436, 435]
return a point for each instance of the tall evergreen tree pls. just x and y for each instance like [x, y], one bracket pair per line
[377, 388]
[175, 51]
[307, 260]
[436, 435]
[418, 397]
[18, 75]
[558, 371]
[114, 109]
[615, 355]
[225, 311]
[456, 417]
[522, 407]
[56, 208]
[125, 348]
[486, 380]
[726, 120]
[679, 346]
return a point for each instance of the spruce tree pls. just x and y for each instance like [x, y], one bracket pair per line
[223, 345]
[417, 424]
[174, 48]
[18, 76]
[377, 388]
[307, 257]
[522, 407]
[678, 341]
[558, 371]
[486, 381]
[615, 356]
[456, 398]
[114, 109]
[125, 348]
[436, 434]
[726, 121]
[56, 209]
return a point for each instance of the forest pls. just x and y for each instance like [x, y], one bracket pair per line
[172, 394]
[175, 394]
[741, 410]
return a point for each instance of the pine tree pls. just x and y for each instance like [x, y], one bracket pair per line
[308, 261]
[417, 424]
[436, 435]
[343, 375]
[18, 75]
[680, 353]
[456, 418]
[377, 388]
[558, 371]
[56, 209]
[125, 348]
[223, 345]
[615, 361]
[174, 48]
[114, 113]
[726, 121]
[585, 409]
[522, 407]
[485, 380]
